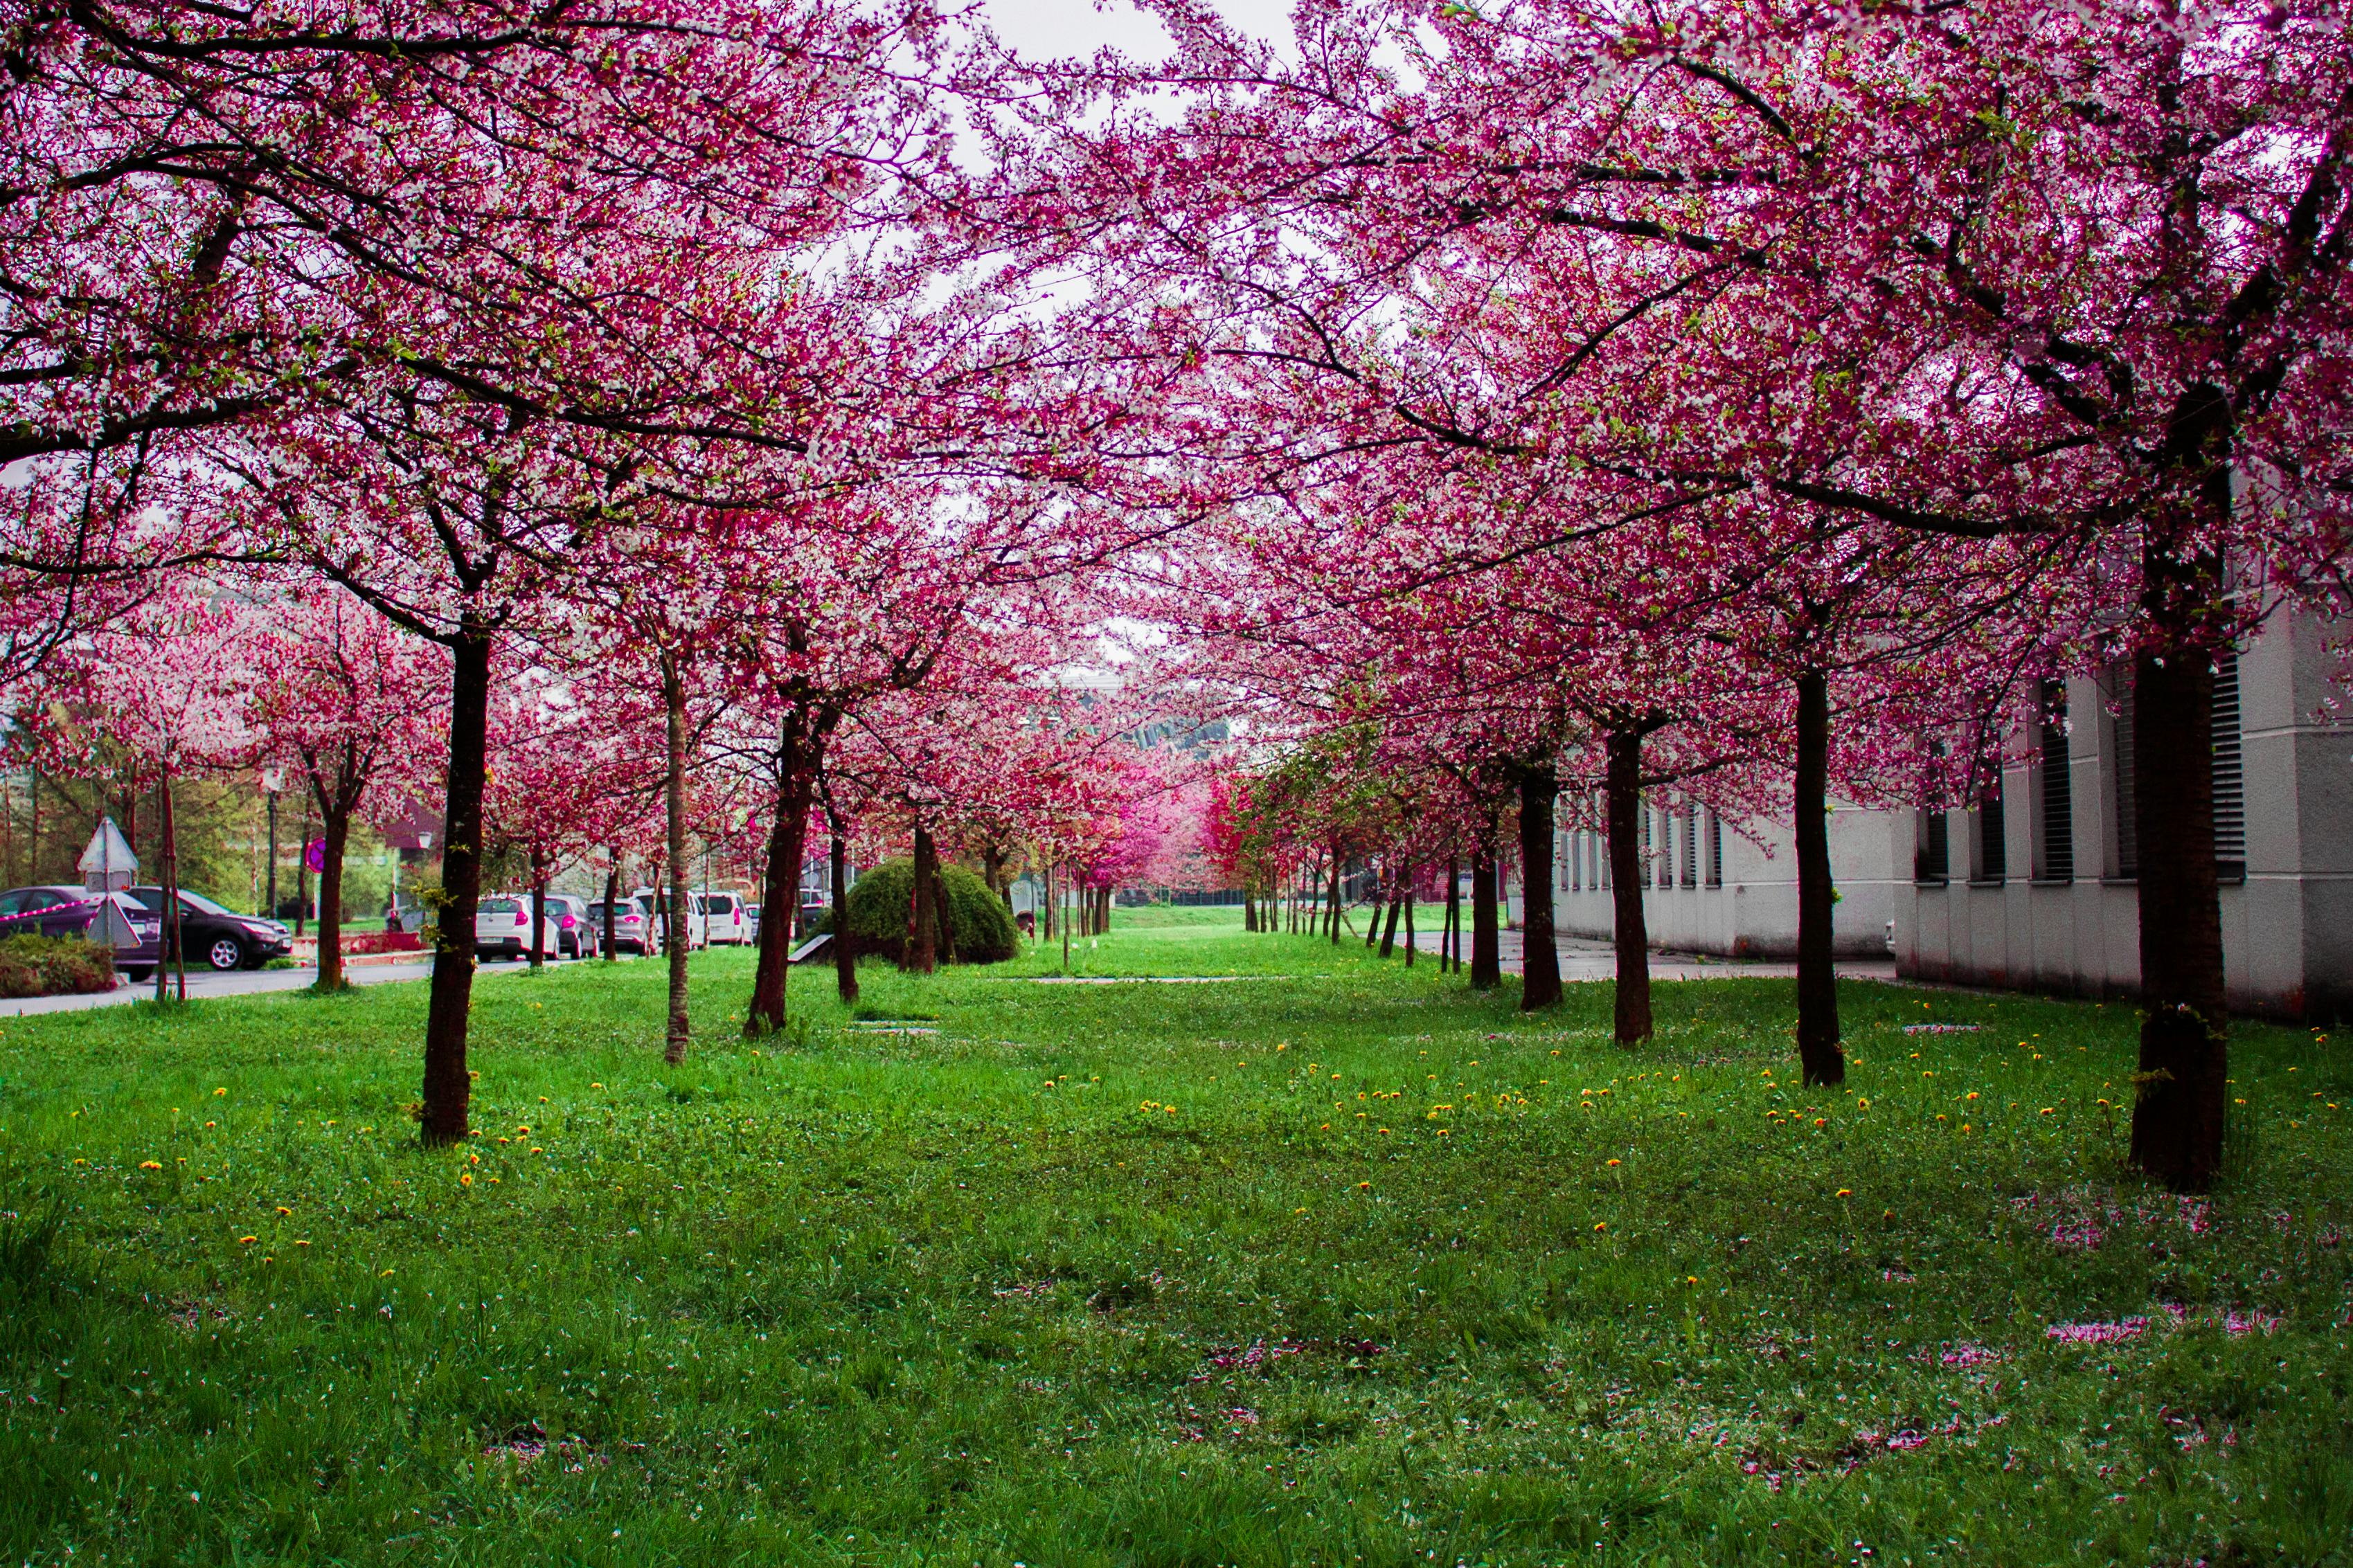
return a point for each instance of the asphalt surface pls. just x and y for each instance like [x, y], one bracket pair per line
[249, 982]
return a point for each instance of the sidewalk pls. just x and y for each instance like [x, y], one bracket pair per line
[1582, 958]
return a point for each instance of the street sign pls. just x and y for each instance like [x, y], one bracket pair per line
[314, 854]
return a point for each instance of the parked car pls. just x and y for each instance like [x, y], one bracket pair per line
[61, 910]
[634, 930]
[577, 933]
[217, 936]
[502, 927]
[752, 920]
[721, 916]
[652, 900]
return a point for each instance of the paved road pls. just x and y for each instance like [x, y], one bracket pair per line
[246, 983]
[1583, 959]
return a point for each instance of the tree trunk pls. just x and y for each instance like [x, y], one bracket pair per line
[780, 888]
[303, 873]
[175, 940]
[1249, 913]
[1450, 944]
[922, 914]
[447, 1087]
[845, 960]
[1409, 916]
[1332, 899]
[2176, 1127]
[1486, 939]
[612, 897]
[681, 906]
[1539, 957]
[335, 820]
[1820, 1055]
[1622, 786]
[1389, 929]
[537, 912]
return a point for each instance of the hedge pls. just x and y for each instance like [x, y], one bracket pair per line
[878, 914]
[54, 966]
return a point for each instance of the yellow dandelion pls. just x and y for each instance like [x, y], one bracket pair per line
[1846, 1192]
[1363, 1185]
[283, 1209]
[151, 1164]
[219, 1092]
[247, 1240]
[1613, 1161]
[1602, 1224]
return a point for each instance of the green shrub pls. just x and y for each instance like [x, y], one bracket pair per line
[983, 931]
[54, 966]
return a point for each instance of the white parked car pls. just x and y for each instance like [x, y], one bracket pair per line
[655, 911]
[503, 929]
[723, 919]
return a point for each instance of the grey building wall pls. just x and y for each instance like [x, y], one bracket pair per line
[2287, 925]
[1735, 889]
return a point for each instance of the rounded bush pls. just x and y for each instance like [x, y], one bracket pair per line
[982, 930]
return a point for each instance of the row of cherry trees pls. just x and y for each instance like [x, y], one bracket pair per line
[1749, 397]
[1517, 408]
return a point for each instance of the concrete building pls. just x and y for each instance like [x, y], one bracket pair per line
[2035, 888]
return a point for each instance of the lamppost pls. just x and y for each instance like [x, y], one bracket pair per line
[273, 780]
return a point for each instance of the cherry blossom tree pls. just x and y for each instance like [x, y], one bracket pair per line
[354, 704]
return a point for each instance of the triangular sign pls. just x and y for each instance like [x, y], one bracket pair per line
[107, 863]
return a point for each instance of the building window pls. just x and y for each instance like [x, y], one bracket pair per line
[1715, 850]
[1931, 856]
[2230, 777]
[2122, 796]
[1989, 848]
[1572, 874]
[1666, 866]
[2055, 838]
[1691, 845]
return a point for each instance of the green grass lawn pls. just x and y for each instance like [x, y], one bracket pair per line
[1329, 1262]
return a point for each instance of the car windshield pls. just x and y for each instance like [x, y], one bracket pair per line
[197, 900]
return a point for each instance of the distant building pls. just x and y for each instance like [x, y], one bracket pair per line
[2034, 887]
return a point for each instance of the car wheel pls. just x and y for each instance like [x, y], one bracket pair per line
[225, 954]
[139, 974]
[563, 952]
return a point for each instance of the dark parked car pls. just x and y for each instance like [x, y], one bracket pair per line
[220, 938]
[61, 910]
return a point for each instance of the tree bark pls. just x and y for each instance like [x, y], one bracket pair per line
[335, 830]
[612, 897]
[538, 913]
[1486, 939]
[845, 959]
[681, 906]
[922, 915]
[2177, 1116]
[447, 1087]
[1539, 956]
[1622, 787]
[1450, 941]
[1409, 916]
[1820, 1055]
[780, 888]
[1332, 899]
[174, 939]
[1389, 929]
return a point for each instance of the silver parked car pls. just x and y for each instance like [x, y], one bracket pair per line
[634, 927]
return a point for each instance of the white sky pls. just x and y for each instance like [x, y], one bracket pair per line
[1048, 29]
